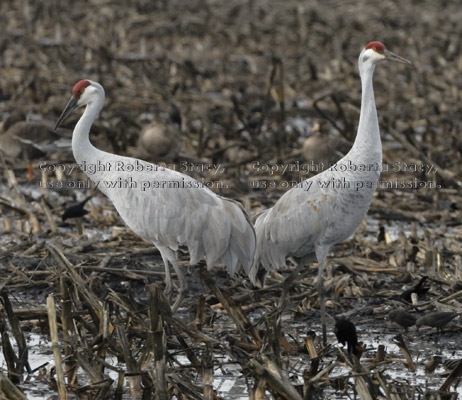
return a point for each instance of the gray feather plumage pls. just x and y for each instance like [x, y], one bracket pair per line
[305, 217]
[211, 227]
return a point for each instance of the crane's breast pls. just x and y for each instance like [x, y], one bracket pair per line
[345, 214]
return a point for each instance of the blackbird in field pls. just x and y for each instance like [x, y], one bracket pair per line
[381, 235]
[345, 331]
[402, 318]
[437, 319]
[76, 210]
[418, 289]
[433, 364]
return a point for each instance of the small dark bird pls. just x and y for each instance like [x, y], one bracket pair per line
[402, 318]
[437, 319]
[174, 115]
[76, 210]
[432, 364]
[345, 331]
[381, 235]
[418, 289]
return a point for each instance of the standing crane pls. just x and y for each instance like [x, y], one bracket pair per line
[326, 209]
[161, 205]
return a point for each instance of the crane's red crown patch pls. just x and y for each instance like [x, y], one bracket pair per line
[376, 46]
[79, 88]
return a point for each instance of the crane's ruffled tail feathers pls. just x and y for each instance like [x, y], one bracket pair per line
[254, 270]
[198, 217]
[259, 263]
[268, 256]
[256, 264]
[242, 240]
[231, 261]
[215, 236]
[196, 251]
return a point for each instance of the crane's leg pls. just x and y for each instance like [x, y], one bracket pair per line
[183, 284]
[321, 253]
[168, 279]
[170, 256]
[322, 301]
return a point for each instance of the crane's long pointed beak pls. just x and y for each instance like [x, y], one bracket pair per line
[71, 105]
[395, 57]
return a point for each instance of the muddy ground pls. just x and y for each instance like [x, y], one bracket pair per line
[239, 85]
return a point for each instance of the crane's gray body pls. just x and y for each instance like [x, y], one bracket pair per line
[163, 206]
[311, 215]
[171, 209]
[327, 208]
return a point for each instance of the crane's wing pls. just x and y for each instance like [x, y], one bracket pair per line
[242, 243]
[290, 227]
[172, 209]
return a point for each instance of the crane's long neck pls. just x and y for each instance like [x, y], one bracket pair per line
[84, 151]
[367, 146]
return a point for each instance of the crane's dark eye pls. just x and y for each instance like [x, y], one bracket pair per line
[82, 90]
[374, 48]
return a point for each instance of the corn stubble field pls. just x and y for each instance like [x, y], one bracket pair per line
[239, 86]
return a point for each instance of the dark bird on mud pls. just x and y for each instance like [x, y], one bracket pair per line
[432, 364]
[402, 318]
[76, 210]
[309, 219]
[161, 205]
[437, 319]
[345, 331]
[418, 289]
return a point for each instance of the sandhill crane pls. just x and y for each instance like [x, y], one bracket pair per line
[326, 209]
[161, 205]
